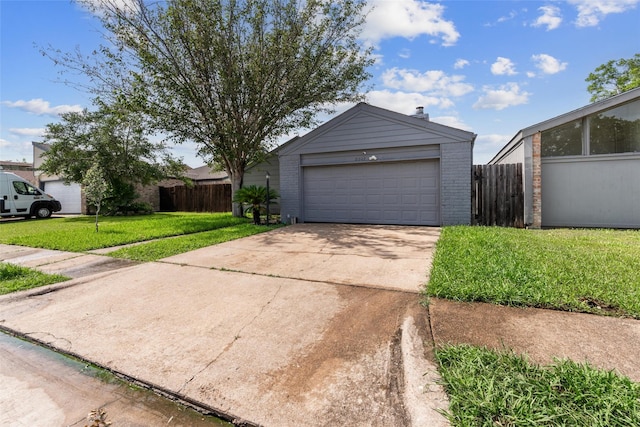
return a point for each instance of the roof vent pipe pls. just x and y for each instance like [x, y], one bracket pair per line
[420, 114]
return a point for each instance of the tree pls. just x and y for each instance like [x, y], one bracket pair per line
[255, 196]
[96, 188]
[614, 77]
[230, 75]
[112, 140]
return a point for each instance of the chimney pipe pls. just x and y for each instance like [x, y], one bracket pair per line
[420, 114]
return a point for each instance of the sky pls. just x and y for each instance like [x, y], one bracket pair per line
[488, 67]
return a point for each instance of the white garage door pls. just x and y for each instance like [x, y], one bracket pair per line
[68, 195]
[373, 193]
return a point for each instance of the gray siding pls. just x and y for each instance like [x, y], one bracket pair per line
[455, 183]
[256, 175]
[369, 131]
[290, 193]
[591, 192]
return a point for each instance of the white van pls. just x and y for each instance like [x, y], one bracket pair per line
[20, 198]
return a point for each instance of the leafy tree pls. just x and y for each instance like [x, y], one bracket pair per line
[614, 77]
[96, 188]
[114, 141]
[230, 75]
[255, 196]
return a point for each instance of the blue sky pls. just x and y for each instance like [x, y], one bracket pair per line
[490, 67]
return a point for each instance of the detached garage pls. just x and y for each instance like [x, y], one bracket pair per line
[69, 195]
[374, 166]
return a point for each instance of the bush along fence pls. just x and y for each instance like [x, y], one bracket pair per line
[497, 196]
[200, 198]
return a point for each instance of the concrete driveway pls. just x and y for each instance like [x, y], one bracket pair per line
[307, 325]
[388, 257]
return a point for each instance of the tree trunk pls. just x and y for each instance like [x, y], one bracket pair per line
[236, 183]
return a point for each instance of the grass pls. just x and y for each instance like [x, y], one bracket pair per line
[594, 271]
[488, 388]
[15, 278]
[78, 234]
[155, 250]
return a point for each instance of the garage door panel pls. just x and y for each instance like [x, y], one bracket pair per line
[375, 193]
[68, 195]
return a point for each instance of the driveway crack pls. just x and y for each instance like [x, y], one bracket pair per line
[236, 337]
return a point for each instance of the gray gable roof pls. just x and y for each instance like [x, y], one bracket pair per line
[367, 124]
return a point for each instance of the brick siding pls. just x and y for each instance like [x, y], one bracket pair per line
[455, 183]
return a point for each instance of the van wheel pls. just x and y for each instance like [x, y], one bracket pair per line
[43, 211]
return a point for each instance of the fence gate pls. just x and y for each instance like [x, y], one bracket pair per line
[199, 198]
[497, 196]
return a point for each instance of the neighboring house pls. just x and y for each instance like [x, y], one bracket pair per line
[69, 195]
[204, 175]
[22, 169]
[374, 166]
[199, 176]
[582, 168]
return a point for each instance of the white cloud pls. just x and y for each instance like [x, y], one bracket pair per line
[548, 64]
[4, 143]
[41, 107]
[405, 102]
[504, 96]
[551, 17]
[435, 82]
[487, 146]
[408, 19]
[452, 121]
[27, 131]
[508, 17]
[404, 53]
[97, 7]
[503, 66]
[460, 63]
[591, 12]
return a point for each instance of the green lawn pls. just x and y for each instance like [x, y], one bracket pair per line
[595, 271]
[158, 249]
[488, 388]
[15, 278]
[78, 234]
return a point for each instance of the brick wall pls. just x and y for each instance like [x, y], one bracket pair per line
[537, 181]
[149, 194]
[455, 183]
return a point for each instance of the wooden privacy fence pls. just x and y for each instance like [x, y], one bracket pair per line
[497, 196]
[200, 198]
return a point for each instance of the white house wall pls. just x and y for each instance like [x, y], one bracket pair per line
[583, 192]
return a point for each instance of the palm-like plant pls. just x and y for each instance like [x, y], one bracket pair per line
[255, 196]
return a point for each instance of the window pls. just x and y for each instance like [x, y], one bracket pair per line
[565, 140]
[25, 189]
[616, 130]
